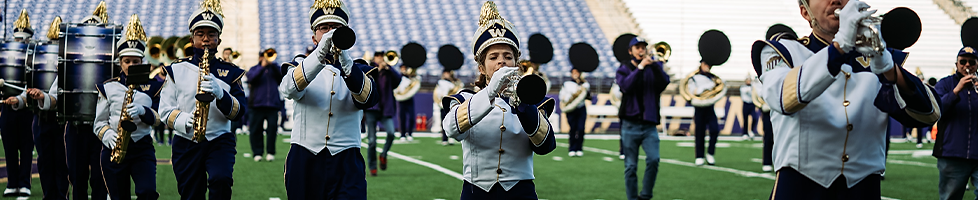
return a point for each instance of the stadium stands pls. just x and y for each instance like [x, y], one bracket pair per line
[163, 18]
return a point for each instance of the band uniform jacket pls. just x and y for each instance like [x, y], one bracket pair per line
[112, 94]
[498, 141]
[177, 102]
[829, 110]
[328, 106]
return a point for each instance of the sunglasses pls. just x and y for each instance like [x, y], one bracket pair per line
[971, 62]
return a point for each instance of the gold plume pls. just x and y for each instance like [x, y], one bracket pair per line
[55, 28]
[489, 13]
[320, 4]
[213, 5]
[134, 31]
[101, 12]
[23, 22]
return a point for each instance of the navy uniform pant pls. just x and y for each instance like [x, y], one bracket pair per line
[793, 185]
[257, 125]
[49, 139]
[705, 119]
[17, 145]
[82, 150]
[768, 138]
[525, 189]
[139, 164]
[748, 112]
[204, 166]
[325, 176]
[576, 121]
[407, 116]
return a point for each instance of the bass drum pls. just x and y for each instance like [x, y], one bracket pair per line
[43, 64]
[13, 60]
[88, 60]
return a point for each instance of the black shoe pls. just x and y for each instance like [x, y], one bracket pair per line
[383, 163]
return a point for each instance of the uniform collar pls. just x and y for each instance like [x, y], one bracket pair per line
[122, 78]
[817, 44]
[199, 53]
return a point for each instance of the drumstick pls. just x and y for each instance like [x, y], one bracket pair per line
[4, 84]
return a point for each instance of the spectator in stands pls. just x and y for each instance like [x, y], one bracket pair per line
[264, 105]
[641, 82]
[956, 162]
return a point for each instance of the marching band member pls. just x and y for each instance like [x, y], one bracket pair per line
[82, 147]
[498, 138]
[704, 89]
[48, 138]
[572, 96]
[641, 82]
[830, 101]
[748, 111]
[329, 92]
[207, 162]
[410, 83]
[264, 104]
[757, 93]
[139, 159]
[17, 143]
[447, 85]
[387, 79]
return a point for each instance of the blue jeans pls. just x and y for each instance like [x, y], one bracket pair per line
[635, 134]
[370, 119]
[954, 175]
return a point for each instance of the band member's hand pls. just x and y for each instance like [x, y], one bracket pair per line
[849, 19]
[35, 93]
[190, 126]
[498, 83]
[135, 110]
[343, 57]
[11, 101]
[961, 84]
[880, 63]
[646, 61]
[325, 47]
[209, 85]
[109, 138]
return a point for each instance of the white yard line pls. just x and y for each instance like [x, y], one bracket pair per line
[435, 167]
[768, 176]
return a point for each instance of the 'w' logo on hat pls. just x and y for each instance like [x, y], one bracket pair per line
[144, 87]
[222, 72]
[497, 32]
[207, 16]
[132, 44]
[329, 11]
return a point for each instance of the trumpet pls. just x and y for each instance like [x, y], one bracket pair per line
[391, 58]
[203, 105]
[523, 85]
[873, 24]
[270, 55]
[974, 81]
[661, 51]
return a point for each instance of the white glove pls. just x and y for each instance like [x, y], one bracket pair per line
[881, 63]
[209, 85]
[190, 126]
[345, 62]
[849, 20]
[135, 111]
[497, 83]
[109, 138]
[325, 46]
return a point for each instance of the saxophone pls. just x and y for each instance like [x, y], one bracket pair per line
[203, 105]
[125, 129]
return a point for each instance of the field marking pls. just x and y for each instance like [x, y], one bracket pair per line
[433, 166]
[768, 176]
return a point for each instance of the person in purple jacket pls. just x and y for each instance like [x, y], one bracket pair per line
[387, 79]
[955, 161]
[264, 104]
[641, 82]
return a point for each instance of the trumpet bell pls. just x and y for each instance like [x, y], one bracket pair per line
[391, 58]
[663, 51]
[344, 38]
[531, 89]
[270, 54]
